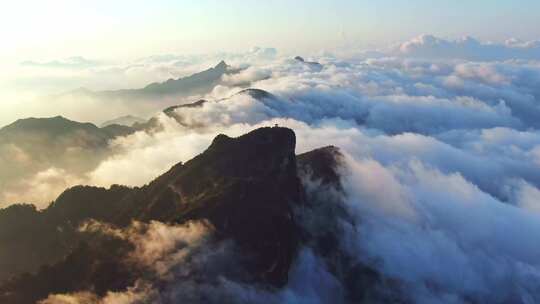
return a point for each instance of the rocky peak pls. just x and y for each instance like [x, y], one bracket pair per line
[322, 164]
[222, 65]
[276, 141]
[246, 187]
[256, 179]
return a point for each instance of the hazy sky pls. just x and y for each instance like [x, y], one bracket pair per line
[40, 30]
[116, 33]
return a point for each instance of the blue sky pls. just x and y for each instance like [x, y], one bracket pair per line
[36, 29]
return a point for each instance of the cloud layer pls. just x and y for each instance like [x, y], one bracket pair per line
[441, 174]
[468, 48]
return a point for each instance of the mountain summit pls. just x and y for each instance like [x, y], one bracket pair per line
[222, 65]
[246, 188]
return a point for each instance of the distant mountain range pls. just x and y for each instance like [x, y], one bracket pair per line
[196, 84]
[128, 121]
[33, 144]
[55, 127]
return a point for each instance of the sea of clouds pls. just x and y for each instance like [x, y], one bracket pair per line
[441, 173]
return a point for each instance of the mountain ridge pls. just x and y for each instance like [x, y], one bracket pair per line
[195, 84]
[246, 187]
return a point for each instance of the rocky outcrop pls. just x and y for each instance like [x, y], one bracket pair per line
[247, 188]
[322, 164]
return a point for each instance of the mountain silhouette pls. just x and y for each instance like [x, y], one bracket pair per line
[196, 84]
[246, 188]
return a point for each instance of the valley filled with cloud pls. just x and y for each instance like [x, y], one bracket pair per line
[440, 172]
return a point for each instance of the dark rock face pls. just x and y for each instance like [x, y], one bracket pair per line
[92, 265]
[246, 187]
[31, 238]
[248, 194]
[322, 164]
[322, 223]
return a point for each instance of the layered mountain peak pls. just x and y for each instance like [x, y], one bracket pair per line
[246, 188]
[222, 65]
[275, 139]
[321, 164]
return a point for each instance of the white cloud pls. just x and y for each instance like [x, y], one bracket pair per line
[459, 233]
[158, 246]
[134, 295]
[428, 46]
[41, 188]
